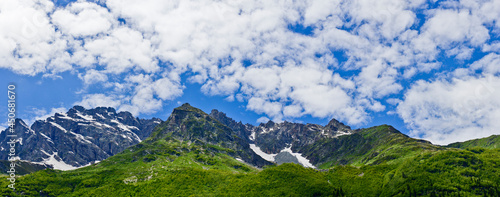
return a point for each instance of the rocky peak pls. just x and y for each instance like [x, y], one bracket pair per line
[77, 108]
[269, 124]
[187, 123]
[242, 131]
[335, 125]
[80, 136]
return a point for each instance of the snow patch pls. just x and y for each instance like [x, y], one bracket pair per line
[59, 165]
[270, 157]
[304, 161]
[340, 133]
[15, 158]
[136, 137]
[26, 126]
[121, 126]
[80, 138]
[101, 116]
[59, 127]
[266, 130]
[240, 160]
[252, 136]
[85, 117]
[83, 124]
[65, 116]
[258, 151]
[102, 125]
[47, 137]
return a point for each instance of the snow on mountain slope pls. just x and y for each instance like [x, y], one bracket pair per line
[79, 137]
[258, 151]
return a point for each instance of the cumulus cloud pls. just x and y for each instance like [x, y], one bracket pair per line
[98, 100]
[42, 114]
[29, 43]
[457, 110]
[327, 59]
[83, 19]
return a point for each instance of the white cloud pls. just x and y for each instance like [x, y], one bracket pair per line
[98, 100]
[449, 111]
[93, 76]
[449, 26]
[83, 19]
[137, 65]
[262, 120]
[29, 43]
[121, 51]
[388, 17]
[489, 64]
[43, 114]
[320, 10]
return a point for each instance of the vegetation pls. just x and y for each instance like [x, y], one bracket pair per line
[174, 168]
[370, 146]
[192, 155]
[491, 142]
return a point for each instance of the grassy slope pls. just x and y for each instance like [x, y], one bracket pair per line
[449, 172]
[173, 168]
[472, 172]
[370, 146]
[384, 163]
[489, 142]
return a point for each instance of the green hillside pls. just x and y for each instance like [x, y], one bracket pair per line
[489, 142]
[370, 146]
[192, 154]
[441, 173]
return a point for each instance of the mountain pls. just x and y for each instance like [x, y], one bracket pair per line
[79, 137]
[373, 145]
[491, 142]
[196, 154]
[313, 145]
[187, 123]
[280, 142]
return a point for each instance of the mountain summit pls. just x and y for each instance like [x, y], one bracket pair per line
[194, 153]
[79, 137]
[187, 123]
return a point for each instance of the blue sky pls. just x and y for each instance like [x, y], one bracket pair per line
[429, 68]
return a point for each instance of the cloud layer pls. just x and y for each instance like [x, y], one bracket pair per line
[284, 59]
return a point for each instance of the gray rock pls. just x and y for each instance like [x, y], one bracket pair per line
[80, 136]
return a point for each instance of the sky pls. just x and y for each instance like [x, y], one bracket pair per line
[429, 68]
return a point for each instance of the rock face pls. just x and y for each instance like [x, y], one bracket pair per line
[83, 136]
[242, 130]
[79, 137]
[187, 123]
[274, 138]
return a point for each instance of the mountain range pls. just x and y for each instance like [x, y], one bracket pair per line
[79, 137]
[193, 153]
